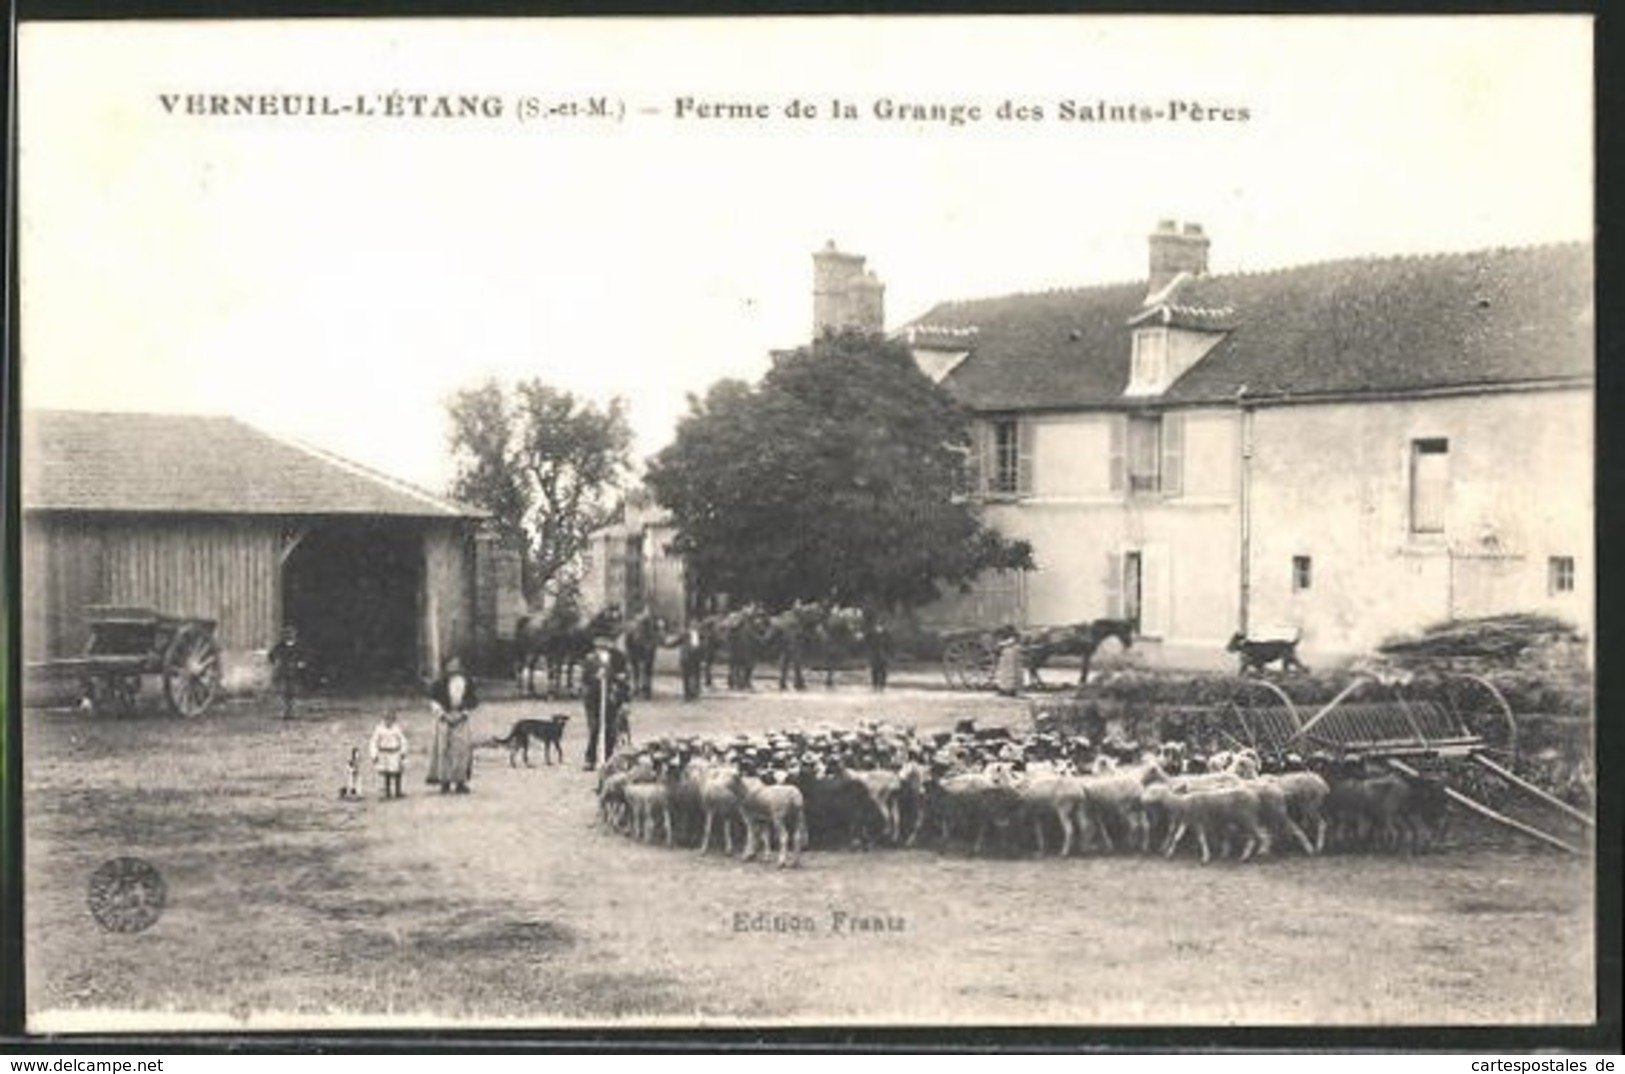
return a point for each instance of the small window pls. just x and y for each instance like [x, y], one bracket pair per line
[1006, 457]
[1430, 484]
[1302, 574]
[1560, 575]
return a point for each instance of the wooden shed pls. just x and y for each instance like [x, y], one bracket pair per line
[207, 517]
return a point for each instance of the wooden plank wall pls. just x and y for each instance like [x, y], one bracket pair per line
[221, 569]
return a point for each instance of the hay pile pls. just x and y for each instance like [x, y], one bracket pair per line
[1499, 641]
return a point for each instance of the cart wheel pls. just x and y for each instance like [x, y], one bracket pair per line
[191, 671]
[1484, 712]
[969, 663]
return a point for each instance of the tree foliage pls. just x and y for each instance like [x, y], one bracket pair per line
[546, 464]
[833, 479]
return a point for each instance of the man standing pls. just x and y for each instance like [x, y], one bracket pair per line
[877, 646]
[691, 657]
[606, 688]
[287, 667]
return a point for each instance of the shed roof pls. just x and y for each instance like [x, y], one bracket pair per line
[173, 463]
[1373, 325]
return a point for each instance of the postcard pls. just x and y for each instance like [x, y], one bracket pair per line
[1064, 521]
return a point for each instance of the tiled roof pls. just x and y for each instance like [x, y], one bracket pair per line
[170, 463]
[1380, 325]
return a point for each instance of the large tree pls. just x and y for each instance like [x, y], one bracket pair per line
[836, 478]
[546, 464]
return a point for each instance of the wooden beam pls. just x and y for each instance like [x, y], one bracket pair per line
[1556, 803]
[1488, 813]
[291, 539]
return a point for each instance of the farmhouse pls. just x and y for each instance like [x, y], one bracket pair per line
[206, 517]
[1345, 450]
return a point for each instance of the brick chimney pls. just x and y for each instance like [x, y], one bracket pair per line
[1176, 249]
[844, 295]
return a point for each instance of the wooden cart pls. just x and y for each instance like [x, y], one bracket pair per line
[127, 644]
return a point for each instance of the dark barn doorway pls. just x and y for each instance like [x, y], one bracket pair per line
[351, 589]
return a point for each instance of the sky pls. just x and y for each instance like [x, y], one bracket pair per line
[334, 278]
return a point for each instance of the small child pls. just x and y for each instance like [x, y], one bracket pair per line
[352, 775]
[388, 751]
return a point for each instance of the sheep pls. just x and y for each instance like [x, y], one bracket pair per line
[1158, 785]
[1386, 811]
[974, 799]
[777, 804]
[1306, 795]
[612, 806]
[838, 806]
[914, 777]
[1116, 799]
[1063, 797]
[649, 801]
[718, 798]
[884, 788]
[1217, 812]
[1272, 798]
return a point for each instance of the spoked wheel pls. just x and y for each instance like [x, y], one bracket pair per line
[191, 671]
[1260, 716]
[1484, 712]
[968, 663]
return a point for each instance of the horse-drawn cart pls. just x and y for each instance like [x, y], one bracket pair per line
[127, 644]
[970, 659]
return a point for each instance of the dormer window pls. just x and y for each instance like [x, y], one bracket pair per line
[1149, 372]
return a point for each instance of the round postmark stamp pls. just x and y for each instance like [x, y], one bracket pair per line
[127, 894]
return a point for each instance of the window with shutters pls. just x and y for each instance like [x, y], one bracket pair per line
[1148, 455]
[1430, 484]
[1006, 457]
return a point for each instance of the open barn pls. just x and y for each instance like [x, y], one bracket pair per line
[210, 518]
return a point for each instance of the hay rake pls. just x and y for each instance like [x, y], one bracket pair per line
[1466, 719]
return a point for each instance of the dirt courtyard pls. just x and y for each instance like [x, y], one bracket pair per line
[287, 907]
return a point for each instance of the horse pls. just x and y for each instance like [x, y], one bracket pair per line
[1079, 639]
[559, 642]
[642, 641]
[813, 636]
[789, 635]
[740, 634]
[837, 640]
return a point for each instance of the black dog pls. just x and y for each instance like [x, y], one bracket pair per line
[550, 731]
[1257, 655]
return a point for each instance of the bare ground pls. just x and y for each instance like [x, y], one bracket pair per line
[288, 906]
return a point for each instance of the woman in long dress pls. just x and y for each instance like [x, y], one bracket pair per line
[451, 761]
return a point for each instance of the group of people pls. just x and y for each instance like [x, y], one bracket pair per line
[453, 697]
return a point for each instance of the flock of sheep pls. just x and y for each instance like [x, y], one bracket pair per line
[972, 787]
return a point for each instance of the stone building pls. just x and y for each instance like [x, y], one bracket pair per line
[1345, 450]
